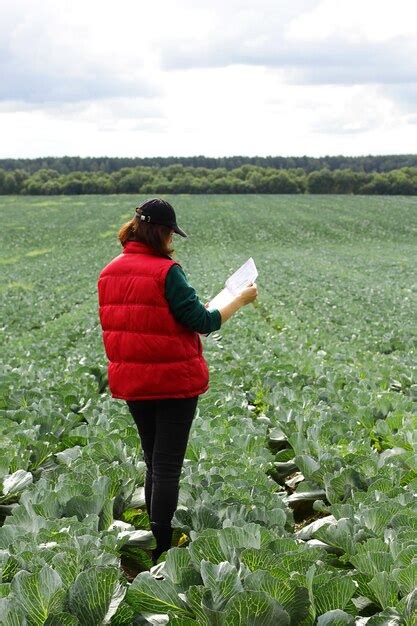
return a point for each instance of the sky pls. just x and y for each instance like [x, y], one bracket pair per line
[207, 77]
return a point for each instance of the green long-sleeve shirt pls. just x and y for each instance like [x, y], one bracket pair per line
[185, 304]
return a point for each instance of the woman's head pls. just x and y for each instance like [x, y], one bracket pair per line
[157, 236]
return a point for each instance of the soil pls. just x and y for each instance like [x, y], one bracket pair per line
[312, 518]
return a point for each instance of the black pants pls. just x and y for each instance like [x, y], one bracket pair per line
[164, 427]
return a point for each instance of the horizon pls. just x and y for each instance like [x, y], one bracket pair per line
[191, 156]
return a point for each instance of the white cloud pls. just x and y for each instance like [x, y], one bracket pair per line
[355, 21]
[70, 52]
[198, 77]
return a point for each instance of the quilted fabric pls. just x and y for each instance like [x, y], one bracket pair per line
[150, 354]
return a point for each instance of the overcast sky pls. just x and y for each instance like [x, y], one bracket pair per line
[212, 77]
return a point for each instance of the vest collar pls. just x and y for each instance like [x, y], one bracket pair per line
[139, 246]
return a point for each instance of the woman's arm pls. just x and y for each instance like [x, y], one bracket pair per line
[245, 297]
[185, 304]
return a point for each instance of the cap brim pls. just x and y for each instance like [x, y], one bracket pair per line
[180, 231]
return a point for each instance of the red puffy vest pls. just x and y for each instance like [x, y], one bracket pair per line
[151, 355]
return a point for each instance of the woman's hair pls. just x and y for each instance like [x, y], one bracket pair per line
[154, 235]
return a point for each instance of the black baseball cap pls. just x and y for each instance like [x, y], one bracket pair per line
[157, 211]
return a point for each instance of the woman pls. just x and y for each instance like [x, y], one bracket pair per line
[151, 318]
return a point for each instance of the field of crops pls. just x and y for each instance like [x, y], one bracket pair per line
[298, 493]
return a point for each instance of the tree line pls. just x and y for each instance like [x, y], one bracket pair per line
[68, 164]
[178, 178]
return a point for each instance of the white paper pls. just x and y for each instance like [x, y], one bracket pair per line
[243, 277]
[223, 297]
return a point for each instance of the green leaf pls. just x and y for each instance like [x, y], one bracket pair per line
[295, 600]
[206, 547]
[283, 544]
[372, 562]
[11, 614]
[390, 617]
[182, 621]
[155, 596]
[340, 534]
[307, 465]
[39, 594]
[222, 580]
[204, 517]
[9, 568]
[123, 616]
[93, 503]
[378, 518]
[410, 612]
[194, 596]
[67, 566]
[62, 619]
[238, 537]
[4, 589]
[407, 555]
[16, 482]
[137, 517]
[268, 516]
[406, 578]
[182, 519]
[336, 618]
[263, 560]
[41, 450]
[341, 484]
[334, 594]
[106, 515]
[385, 589]
[92, 593]
[68, 455]
[179, 570]
[255, 608]
[176, 560]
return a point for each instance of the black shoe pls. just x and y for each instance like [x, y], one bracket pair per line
[154, 558]
[163, 536]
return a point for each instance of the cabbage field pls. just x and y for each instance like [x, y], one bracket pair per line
[298, 493]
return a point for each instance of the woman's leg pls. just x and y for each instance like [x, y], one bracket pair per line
[173, 423]
[144, 415]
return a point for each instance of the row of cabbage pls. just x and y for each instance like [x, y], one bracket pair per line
[76, 468]
[297, 502]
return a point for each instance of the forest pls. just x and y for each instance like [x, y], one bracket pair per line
[101, 176]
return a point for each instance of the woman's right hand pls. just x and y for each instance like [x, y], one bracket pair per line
[248, 294]
[244, 297]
